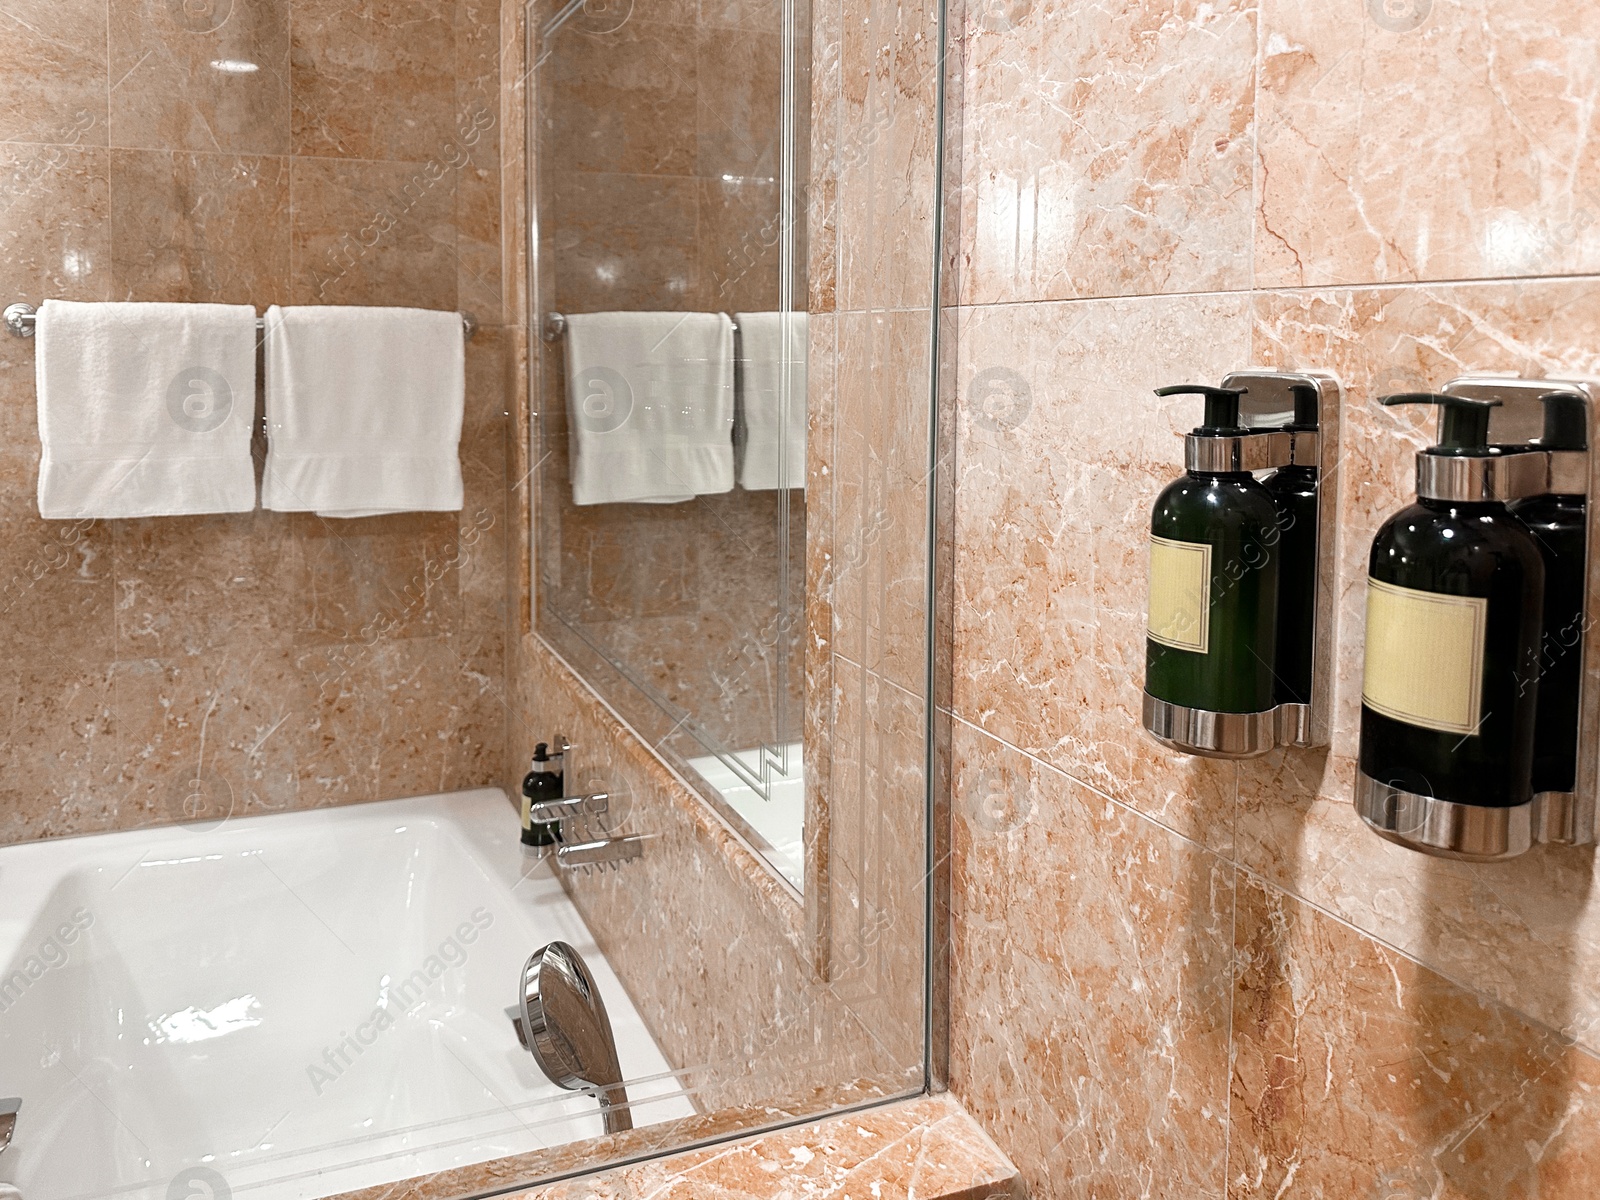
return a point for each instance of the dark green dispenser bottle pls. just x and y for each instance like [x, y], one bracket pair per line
[1213, 575]
[1294, 492]
[1559, 523]
[1455, 597]
[538, 785]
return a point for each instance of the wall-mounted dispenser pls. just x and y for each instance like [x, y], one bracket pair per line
[1473, 691]
[1238, 652]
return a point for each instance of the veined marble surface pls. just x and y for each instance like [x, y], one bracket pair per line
[1178, 976]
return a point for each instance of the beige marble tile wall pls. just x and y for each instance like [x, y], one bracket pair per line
[1179, 977]
[305, 152]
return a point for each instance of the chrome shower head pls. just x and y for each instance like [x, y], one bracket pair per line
[563, 1024]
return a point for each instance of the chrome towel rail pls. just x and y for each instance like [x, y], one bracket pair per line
[555, 324]
[21, 318]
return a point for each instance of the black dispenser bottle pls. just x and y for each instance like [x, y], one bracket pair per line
[1294, 491]
[1212, 633]
[1455, 599]
[538, 785]
[1559, 524]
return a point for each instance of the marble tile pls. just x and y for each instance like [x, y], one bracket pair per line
[880, 495]
[925, 1149]
[480, 280]
[53, 72]
[737, 115]
[1062, 450]
[56, 590]
[55, 236]
[818, 658]
[625, 242]
[373, 233]
[624, 101]
[199, 585]
[1424, 141]
[19, 429]
[440, 713]
[741, 244]
[822, 186]
[1107, 149]
[757, 16]
[1090, 983]
[1358, 1072]
[58, 749]
[876, 791]
[385, 578]
[199, 228]
[369, 80]
[886, 158]
[1525, 932]
[478, 78]
[209, 736]
[210, 75]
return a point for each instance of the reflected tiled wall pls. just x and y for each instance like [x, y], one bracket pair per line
[1180, 977]
[300, 151]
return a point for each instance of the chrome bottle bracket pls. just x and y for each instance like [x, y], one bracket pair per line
[9, 1108]
[1473, 832]
[602, 853]
[1265, 408]
[571, 808]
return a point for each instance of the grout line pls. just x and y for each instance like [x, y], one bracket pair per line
[1122, 804]
[1287, 290]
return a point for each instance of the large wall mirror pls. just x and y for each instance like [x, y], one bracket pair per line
[673, 152]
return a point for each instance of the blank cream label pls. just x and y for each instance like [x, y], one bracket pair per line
[1180, 582]
[1425, 657]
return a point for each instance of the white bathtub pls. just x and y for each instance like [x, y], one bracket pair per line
[305, 1004]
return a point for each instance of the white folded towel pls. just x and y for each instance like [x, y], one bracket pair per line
[650, 406]
[772, 352]
[363, 410]
[145, 409]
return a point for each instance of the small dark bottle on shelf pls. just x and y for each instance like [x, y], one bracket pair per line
[1212, 634]
[1559, 523]
[538, 785]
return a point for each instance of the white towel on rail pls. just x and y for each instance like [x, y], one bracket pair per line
[772, 392]
[145, 409]
[649, 406]
[364, 410]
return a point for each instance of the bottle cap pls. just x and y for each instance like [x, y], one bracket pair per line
[540, 752]
[1463, 426]
[1222, 407]
[1305, 396]
[1566, 422]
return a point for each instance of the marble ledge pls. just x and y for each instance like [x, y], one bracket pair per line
[922, 1149]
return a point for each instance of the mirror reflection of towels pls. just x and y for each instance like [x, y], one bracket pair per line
[772, 365]
[649, 406]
